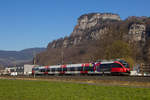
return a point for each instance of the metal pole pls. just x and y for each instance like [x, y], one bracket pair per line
[62, 55]
[34, 57]
[34, 75]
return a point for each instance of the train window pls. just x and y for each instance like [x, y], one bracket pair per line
[35, 69]
[68, 69]
[59, 69]
[72, 69]
[105, 65]
[53, 69]
[76, 69]
[42, 70]
[88, 69]
[115, 65]
[91, 68]
[48, 70]
[64, 69]
[79, 68]
[124, 63]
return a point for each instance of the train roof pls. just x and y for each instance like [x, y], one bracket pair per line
[80, 64]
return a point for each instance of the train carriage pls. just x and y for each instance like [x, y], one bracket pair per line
[113, 67]
[104, 67]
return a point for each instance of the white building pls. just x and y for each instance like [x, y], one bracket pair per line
[28, 69]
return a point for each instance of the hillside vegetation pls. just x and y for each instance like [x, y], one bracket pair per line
[101, 36]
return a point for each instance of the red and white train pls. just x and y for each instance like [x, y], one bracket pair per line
[117, 67]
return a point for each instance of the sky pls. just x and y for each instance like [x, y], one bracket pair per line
[35, 23]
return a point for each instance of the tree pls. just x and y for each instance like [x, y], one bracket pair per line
[118, 49]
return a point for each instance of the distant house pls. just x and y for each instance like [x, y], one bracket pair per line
[8, 71]
[18, 70]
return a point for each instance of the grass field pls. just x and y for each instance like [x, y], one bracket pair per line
[45, 90]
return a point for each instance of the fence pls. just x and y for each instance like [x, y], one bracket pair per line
[145, 69]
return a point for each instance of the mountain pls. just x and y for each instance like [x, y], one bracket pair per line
[11, 58]
[93, 36]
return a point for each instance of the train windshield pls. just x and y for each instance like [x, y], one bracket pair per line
[126, 65]
[35, 69]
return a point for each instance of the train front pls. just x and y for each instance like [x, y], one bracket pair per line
[126, 66]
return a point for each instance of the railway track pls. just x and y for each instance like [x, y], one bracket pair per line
[95, 78]
[103, 78]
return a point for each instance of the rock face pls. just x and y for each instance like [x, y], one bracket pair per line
[90, 20]
[137, 32]
[85, 29]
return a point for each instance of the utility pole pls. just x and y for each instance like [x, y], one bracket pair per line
[62, 55]
[34, 57]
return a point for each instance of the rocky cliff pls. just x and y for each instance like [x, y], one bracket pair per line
[93, 27]
[89, 27]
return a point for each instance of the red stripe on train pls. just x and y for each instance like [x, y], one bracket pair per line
[45, 72]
